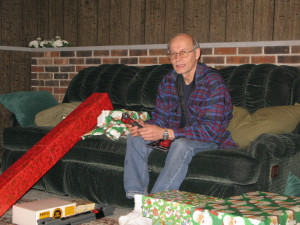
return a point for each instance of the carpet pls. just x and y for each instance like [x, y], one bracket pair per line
[33, 194]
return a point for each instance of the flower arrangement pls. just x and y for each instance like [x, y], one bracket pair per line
[53, 43]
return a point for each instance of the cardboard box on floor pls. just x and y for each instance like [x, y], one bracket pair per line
[25, 172]
[28, 213]
[252, 208]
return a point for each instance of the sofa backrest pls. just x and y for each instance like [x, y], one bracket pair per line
[128, 87]
[257, 86]
[251, 86]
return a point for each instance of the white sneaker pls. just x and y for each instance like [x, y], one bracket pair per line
[136, 216]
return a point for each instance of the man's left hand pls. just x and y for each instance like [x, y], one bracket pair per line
[153, 133]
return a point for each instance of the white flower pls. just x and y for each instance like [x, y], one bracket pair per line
[65, 43]
[34, 44]
[57, 43]
[42, 43]
[38, 43]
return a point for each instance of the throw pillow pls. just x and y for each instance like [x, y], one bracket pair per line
[292, 187]
[52, 116]
[245, 127]
[26, 104]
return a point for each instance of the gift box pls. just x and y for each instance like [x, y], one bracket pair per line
[173, 206]
[28, 213]
[252, 208]
[25, 172]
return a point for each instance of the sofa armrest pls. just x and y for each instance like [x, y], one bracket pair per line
[277, 145]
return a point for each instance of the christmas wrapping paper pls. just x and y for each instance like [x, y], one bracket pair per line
[173, 207]
[252, 208]
[25, 172]
[110, 124]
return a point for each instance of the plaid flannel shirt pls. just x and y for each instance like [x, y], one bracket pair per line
[209, 108]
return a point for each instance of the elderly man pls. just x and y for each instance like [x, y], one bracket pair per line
[193, 109]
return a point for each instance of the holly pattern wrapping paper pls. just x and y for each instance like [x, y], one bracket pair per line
[252, 208]
[172, 206]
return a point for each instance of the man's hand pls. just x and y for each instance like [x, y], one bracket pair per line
[148, 131]
[151, 132]
[133, 130]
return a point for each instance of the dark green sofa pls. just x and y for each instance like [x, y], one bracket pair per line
[93, 168]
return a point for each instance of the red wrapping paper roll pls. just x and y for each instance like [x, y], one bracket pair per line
[36, 162]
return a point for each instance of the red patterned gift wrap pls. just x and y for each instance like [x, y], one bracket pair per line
[36, 162]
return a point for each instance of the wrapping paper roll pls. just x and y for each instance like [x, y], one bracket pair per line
[36, 162]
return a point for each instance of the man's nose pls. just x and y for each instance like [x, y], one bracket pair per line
[177, 57]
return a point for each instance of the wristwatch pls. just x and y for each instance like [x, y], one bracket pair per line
[166, 135]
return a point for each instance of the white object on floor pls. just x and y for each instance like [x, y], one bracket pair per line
[136, 216]
[28, 213]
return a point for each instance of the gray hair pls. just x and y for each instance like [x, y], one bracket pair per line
[194, 40]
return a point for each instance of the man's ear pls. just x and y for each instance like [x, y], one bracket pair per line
[198, 53]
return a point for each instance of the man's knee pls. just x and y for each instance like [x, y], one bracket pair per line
[179, 148]
[180, 144]
[138, 140]
[137, 145]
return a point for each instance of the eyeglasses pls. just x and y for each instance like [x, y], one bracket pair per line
[181, 53]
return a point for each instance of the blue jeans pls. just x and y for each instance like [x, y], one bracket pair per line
[180, 154]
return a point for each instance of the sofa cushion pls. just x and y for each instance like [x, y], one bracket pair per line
[97, 149]
[26, 104]
[54, 115]
[23, 138]
[102, 150]
[246, 127]
[217, 165]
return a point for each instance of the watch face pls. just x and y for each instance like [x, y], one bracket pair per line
[165, 135]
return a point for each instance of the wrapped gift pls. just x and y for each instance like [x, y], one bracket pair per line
[173, 207]
[252, 208]
[25, 172]
[110, 123]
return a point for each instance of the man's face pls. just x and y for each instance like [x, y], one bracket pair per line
[185, 66]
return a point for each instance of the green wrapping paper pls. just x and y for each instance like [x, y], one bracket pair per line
[110, 124]
[252, 208]
[173, 207]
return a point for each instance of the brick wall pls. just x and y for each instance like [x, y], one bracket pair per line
[52, 69]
